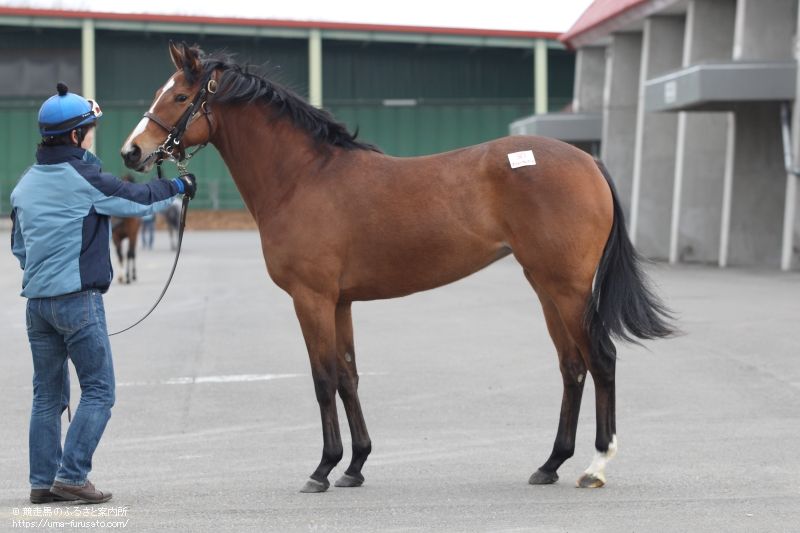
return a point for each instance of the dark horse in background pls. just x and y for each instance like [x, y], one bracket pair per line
[121, 229]
[341, 222]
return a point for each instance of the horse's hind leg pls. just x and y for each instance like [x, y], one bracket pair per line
[316, 314]
[570, 305]
[573, 373]
[603, 369]
[348, 392]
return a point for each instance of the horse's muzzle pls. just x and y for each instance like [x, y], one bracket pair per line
[132, 157]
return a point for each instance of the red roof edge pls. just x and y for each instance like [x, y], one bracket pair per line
[342, 26]
[589, 28]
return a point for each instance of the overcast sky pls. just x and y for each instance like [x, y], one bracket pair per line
[520, 15]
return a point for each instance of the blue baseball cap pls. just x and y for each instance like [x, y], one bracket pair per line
[66, 111]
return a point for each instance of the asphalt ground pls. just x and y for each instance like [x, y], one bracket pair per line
[216, 426]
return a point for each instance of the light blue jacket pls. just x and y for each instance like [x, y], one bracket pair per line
[61, 228]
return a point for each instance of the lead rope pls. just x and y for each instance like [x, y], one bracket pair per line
[173, 141]
[184, 207]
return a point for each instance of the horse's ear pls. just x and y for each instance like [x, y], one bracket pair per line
[192, 60]
[175, 54]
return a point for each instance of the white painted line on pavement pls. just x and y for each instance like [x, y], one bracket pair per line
[225, 379]
[212, 379]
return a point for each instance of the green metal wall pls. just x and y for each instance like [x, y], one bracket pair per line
[429, 129]
[463, 95]
[18, 135]
[352, 70]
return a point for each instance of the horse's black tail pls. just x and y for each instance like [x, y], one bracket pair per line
[623, 304]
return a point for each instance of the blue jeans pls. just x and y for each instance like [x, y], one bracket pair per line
[72, 325]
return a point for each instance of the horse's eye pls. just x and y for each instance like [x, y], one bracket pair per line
[181, 98]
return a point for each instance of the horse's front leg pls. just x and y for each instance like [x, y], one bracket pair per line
[316, 314]
[348, 392]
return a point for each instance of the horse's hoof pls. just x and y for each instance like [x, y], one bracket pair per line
[590, 481]
[348, 481]
[541, 478]
[312, 485]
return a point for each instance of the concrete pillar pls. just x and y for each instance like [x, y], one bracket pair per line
[590, 72]
[794, 253]
[791, 223]
[764, 30]
[88, 85]
[540, 97]
[315, 68]
[702, 142]
[654, 149]
[620, 93]
[727, 191]
[759, 181]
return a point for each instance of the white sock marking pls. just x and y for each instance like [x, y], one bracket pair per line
[601, 460]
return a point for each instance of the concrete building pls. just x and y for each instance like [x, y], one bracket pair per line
[694, 92]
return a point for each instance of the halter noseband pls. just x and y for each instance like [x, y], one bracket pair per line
[176, 132]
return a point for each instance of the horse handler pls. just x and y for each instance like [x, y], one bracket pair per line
[60, 214]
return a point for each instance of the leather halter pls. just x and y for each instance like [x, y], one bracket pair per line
[177, 131]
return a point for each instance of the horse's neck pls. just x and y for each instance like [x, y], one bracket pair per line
[263, 154]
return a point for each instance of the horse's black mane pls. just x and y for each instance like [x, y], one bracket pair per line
[238, 84]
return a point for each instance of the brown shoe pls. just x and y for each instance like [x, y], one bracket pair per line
[45, 496]
[85, 492]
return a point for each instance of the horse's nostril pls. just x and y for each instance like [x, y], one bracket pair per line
[134, 153]
[131, 156]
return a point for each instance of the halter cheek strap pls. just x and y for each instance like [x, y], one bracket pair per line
[191, 114]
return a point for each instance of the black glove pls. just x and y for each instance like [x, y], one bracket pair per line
[189, 185]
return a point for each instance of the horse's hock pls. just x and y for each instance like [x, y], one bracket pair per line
[209, 219]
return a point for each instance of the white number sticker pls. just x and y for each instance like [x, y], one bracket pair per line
[521, 159]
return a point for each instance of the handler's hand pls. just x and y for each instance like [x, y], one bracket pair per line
[189, 185]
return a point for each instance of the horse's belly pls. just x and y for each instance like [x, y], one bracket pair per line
[391, 275]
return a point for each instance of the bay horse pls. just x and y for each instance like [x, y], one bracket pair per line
[341, 222]
[126, 228]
